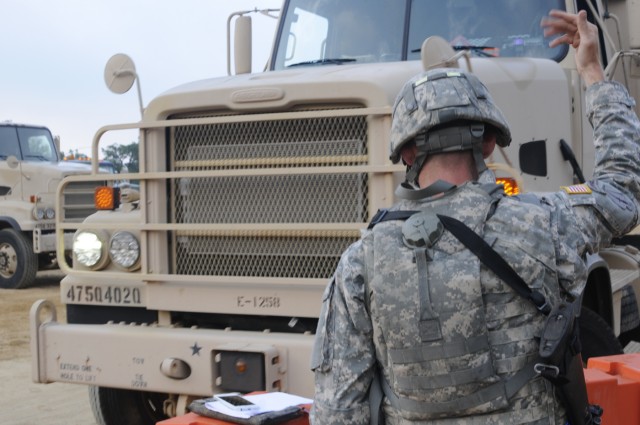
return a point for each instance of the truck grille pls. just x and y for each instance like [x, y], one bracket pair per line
[78, 200]
[265, 198]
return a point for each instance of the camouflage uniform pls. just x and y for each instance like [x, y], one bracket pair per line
[544, 237]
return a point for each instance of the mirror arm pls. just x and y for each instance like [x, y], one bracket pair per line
[124, 72]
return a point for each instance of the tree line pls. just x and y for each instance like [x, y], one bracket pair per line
[123, 157]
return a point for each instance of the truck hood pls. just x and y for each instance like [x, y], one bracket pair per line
[533, 94]
[52, 173]
[72, 168]
[370, 85]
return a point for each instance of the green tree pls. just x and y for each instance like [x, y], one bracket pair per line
[123, 156]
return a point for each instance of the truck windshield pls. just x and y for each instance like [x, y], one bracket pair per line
[27, 143]
[36, 144]
[364, 31]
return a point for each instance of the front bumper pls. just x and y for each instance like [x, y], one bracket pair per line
[161, 359]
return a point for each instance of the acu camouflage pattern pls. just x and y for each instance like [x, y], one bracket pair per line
[487, 331]
[438, 97]
[350, 342]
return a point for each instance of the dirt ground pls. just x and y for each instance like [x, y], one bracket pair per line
[15, 305]
[23, 402]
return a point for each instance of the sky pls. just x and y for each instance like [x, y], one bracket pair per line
[53, 55]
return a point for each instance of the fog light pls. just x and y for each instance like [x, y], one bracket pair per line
[89, 249]
[38, 213]
[124, 249]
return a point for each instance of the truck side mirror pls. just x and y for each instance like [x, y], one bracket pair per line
[12, 161]
[436, 52]
[56, 142]
[120, 74]
[242, 48]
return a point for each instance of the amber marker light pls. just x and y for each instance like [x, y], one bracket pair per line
[241, 366]
[510, 185]
[106, 198]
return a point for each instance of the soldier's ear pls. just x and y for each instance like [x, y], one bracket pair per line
[408, 154]
[488, 144]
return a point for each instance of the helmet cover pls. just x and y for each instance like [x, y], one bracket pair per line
[439, 97]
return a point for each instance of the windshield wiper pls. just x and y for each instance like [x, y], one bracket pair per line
[336, 61]
[480, 50]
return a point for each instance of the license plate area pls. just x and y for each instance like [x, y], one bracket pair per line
[249, 368]
[123, 295]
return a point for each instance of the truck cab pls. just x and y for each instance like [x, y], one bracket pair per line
[252, 185]
[30, 171]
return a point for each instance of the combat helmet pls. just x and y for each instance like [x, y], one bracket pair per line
[444, 110]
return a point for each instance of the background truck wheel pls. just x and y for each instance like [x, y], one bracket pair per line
[18, 263]
[596, 336]
[126, 407]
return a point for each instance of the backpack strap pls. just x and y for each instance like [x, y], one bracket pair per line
[385, 215]
[490, 258]
[376, 411]
[487, 255]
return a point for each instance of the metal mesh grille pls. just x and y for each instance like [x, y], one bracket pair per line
[286, 198]
[331, 198]
[301, 257]
[267, 144]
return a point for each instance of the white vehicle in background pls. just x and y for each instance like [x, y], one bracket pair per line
[103, 166]
[30, 172]
[251, 187]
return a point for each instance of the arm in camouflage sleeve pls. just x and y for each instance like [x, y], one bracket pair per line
[587, 221]
[611, 112]
[616, 177]
[343, 353]
[610, 109]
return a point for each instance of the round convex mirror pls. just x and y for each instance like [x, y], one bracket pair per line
[119, 73]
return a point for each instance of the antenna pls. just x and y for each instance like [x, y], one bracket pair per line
[120, 74]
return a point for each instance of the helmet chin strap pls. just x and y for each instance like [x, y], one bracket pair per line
[448, 139]
[414, 170]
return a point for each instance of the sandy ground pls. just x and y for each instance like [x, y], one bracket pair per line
[23, 402]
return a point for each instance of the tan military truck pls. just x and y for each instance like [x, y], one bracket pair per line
[30, 171]
[252, 185]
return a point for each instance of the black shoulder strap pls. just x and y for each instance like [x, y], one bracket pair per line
[386, 215]
[490, 258]
[487, 255]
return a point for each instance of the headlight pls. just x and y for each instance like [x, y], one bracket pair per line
[49, 213]
[124, 250]
[89, 249]
[38, 213]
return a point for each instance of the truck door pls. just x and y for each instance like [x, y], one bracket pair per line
[38, 154]
[10, 179]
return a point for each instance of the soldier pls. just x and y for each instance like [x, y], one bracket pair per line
[410, 307]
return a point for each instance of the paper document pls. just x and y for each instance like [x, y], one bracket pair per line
[267, 402]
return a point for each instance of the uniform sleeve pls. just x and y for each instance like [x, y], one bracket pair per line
[344, 355]
[585, 220]
[616, 176]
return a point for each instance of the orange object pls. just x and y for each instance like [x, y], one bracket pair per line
[613, 382]
[106, 198]
[193, 419]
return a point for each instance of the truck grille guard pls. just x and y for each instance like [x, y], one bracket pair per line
[274, 197]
